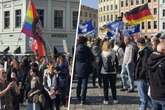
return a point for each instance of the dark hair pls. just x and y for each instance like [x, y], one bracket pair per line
[141, 40]
[82, 39]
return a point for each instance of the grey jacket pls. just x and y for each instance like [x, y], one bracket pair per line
[129, 54]
[105, 55]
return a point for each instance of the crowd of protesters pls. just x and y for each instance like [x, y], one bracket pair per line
[40, 84]
[139, 61]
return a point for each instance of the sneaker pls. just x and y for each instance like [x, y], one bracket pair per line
[83, 102]
[130, 90]
[105, 102]
[115, 101]
[123, 89]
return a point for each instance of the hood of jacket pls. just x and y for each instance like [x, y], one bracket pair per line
[155, 59]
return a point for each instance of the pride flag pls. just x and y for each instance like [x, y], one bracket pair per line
[32, 28]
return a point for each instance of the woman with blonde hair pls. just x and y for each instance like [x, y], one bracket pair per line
[108, 70]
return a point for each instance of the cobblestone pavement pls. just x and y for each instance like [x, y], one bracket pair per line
[127, 101]
[23, 107]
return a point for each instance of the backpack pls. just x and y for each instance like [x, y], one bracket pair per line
[108, 64]
[62, 80]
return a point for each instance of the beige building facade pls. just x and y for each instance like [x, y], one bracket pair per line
[88, 13]
[109, 10]
[58, 17]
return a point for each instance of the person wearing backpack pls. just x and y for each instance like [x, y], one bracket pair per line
[108, 71]
[156, 77]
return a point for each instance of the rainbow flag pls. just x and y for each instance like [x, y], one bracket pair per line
[31, 18]
[32, 28]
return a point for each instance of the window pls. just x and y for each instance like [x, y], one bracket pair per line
[81, 13]
[86, 14]
[155, 24]
[163, 12]
[142, 1]
[6, 19]
[90, 15]
[116, 7]
[137, 2]
[142, 25]
[104, 18]
[163, 25]
[149, 25]
[111, 17]
[107, 17]
[122, 3]
[104, 8]
[131, 2]
[94, 15]
[58, 19]
[111, 7]
[18, 18]
[107, 7]
[115, 17]
[155, 11]
[126, 2]
[41, 16]
[74, 19]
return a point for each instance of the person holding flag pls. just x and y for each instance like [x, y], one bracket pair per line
[32, 28]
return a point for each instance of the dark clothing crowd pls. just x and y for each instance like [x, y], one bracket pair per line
[39, 84]
[138, 60]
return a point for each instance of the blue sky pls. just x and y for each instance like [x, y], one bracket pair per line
[91, 3]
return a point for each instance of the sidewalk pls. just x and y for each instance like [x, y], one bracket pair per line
[127, 101]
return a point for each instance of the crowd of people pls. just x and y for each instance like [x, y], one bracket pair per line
[139, 61]
[39, 84]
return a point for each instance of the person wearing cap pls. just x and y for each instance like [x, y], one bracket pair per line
[83, 67]
[141, 73]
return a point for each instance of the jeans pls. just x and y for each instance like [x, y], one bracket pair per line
[96, 74]
[82, 88]
[127, 71]
[56, 103]
[145, 101]
[109, 78]
[158, 105]
[32, 106]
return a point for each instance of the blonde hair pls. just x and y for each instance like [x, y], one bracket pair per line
[106, 46]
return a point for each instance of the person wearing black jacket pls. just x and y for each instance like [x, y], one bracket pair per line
[156, 77]
[83, 67]
[140, 74]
